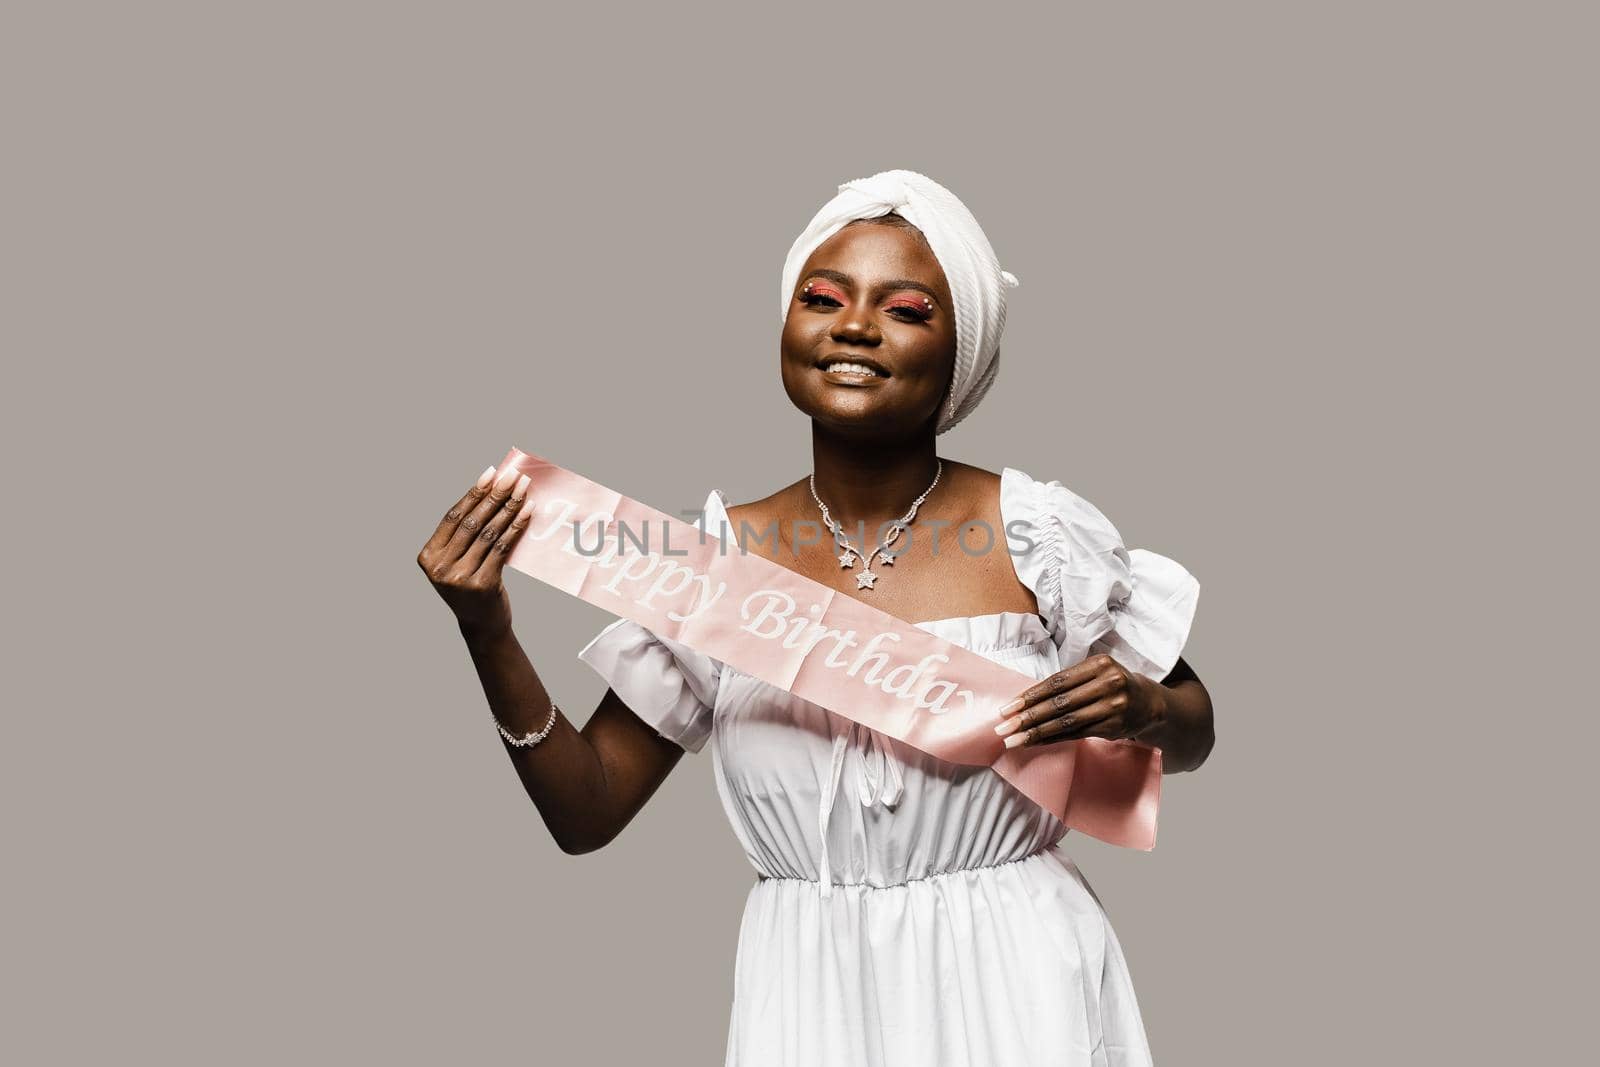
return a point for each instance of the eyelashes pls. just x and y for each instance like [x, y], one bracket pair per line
[905, 308]
[918, 310]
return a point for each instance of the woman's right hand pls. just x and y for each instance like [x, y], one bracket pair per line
[467, 552]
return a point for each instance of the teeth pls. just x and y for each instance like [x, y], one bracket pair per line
[853, 368]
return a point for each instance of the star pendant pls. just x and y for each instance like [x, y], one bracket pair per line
[848, 559]
[865, 579]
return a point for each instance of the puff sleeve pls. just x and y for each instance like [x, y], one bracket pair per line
[668, 685]
[1095, 594]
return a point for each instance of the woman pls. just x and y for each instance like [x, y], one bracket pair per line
[907, 910]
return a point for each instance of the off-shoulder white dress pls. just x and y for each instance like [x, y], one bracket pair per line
[911, 912]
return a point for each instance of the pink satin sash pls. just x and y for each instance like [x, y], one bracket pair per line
[825, 647]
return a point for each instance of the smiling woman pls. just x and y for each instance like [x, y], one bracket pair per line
[871, 286]
[932, 920]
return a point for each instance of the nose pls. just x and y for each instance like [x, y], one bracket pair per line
[855, 327]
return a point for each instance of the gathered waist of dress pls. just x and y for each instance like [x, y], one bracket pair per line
[763, 878]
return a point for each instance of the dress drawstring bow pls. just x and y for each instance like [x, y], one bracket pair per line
[880, 781]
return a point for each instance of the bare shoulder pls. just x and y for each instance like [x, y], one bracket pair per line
[772, 506]
[972, 475]
[764, 525]
[975, 491]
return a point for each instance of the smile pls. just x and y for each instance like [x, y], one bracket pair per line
[852, 368]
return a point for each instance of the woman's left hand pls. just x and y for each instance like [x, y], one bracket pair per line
[1096, 698]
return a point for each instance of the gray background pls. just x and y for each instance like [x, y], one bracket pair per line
[1300, 307]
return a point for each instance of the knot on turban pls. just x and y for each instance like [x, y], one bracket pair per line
[977, 284]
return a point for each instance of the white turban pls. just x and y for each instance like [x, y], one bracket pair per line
[977, 283]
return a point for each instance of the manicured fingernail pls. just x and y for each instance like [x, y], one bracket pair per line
[526, 514]
[1012, 708]
[1016, 739]
[486, 477]
[507, 476]
[1009, 726]
[522, 487]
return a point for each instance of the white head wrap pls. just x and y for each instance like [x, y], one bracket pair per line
[977, 283]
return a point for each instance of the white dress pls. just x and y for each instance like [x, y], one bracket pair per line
[910, 911]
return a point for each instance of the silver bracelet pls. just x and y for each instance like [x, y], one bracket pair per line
[528, 739]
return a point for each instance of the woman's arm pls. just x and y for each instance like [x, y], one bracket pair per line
[1181, 721]
[587, 785]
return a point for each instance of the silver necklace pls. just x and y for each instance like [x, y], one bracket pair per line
[847, 559]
